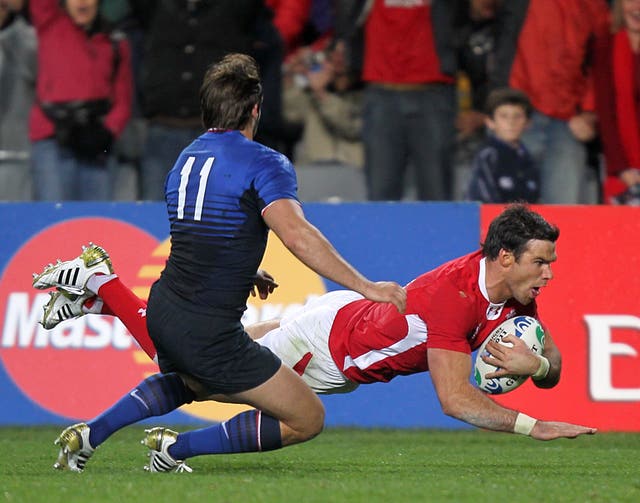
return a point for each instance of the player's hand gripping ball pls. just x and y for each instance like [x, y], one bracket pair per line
[524, 327]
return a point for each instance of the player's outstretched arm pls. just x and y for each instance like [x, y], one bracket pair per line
[286, 218]
[450, 372]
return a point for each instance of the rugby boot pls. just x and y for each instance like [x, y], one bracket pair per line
[72, 275]
[158, 440]
[75, 449]
[63, 306]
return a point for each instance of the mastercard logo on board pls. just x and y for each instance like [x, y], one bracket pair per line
[83, 366]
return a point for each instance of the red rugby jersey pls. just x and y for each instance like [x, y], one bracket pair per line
[447, 308]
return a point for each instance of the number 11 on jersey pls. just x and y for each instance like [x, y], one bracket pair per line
[185, 172]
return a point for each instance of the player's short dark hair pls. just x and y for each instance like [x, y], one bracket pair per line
[507, 96]
[230, 89]
[514, 228]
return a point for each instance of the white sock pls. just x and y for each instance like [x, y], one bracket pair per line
[97, 280]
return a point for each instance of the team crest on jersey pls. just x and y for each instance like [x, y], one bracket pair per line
[494, 311]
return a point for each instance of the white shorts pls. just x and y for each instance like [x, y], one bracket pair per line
[302, 342]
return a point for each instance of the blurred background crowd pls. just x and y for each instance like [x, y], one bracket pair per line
[488, 100]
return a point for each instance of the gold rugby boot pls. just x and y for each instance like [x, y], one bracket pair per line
[158, 440]
[75, 449]
[72, 275]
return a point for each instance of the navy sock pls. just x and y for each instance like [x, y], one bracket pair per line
[249, 431]
[156, 395]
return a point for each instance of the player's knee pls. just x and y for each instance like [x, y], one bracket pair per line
[315, 423]
[308, 425]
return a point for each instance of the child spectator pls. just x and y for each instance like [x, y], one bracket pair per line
[503, 170]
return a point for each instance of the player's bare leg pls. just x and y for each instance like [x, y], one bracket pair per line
[288, 399]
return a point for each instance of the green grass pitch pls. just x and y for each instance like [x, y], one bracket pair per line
[341, 465]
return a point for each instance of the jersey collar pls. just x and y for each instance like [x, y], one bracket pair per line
[493, 310]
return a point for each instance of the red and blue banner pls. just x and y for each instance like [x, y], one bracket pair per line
[81, 367]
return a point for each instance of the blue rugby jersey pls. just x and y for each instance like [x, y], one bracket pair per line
[215, 195]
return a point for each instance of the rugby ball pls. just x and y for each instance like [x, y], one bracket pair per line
[524, 327]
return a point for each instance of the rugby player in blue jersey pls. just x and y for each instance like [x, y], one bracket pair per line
[223, 194]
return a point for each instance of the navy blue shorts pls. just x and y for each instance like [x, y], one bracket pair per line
[215, 350]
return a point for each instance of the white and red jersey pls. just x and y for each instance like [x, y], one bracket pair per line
[447, 308]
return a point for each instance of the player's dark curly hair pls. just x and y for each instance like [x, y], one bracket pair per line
[230, 89]
[514, 228]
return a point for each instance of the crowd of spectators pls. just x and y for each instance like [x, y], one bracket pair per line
[98, 97]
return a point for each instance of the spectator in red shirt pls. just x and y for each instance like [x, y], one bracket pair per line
[618, 98]
[409, 67]
[83, 99]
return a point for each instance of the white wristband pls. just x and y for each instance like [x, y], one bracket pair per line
[524, 424]
[543, 369]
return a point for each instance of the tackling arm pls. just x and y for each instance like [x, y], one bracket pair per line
[450, 372]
